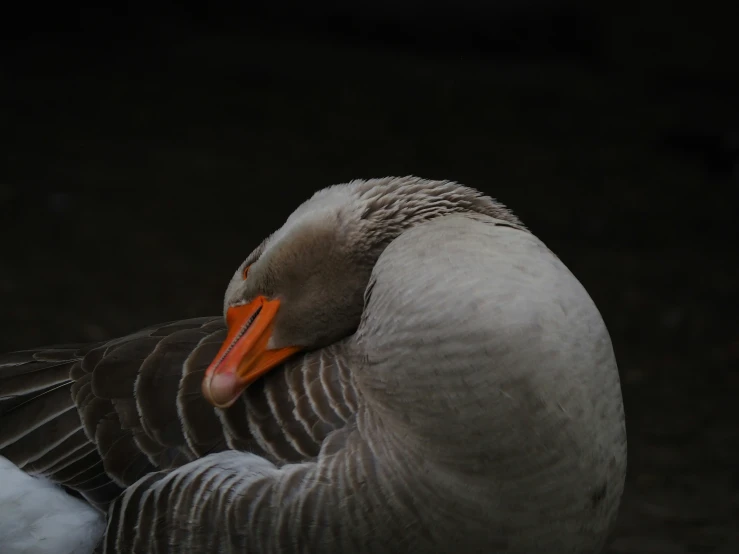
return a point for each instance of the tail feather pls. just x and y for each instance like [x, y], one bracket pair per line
[29, 452]
[73, 413]
[37, 381]
[42, 432]
[34, 411]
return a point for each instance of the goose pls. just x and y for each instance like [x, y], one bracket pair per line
[401, 367]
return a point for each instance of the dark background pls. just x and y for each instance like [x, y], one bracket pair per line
[145, 150]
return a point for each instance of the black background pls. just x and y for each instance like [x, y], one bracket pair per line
[146, 149]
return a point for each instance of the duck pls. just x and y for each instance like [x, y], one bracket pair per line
[403, 366]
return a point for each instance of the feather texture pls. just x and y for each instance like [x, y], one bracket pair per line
[38, 517]
[97, 418]
[458, 392]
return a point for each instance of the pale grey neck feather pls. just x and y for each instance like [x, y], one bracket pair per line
[489, 418]
[367, 215]
[376, 211]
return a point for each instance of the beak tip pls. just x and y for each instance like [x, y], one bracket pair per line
[222, 389]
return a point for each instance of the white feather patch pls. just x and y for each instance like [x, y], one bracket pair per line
[39, 517]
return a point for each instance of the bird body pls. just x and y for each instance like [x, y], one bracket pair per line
[404, 367]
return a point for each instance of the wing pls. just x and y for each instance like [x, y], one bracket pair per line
[233, 502]
[96, 418]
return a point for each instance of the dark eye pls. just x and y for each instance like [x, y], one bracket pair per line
[245, 272]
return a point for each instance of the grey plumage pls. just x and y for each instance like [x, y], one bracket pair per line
[97, 418]
[458, 393]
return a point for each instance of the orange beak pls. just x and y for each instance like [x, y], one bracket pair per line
[244, 356]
